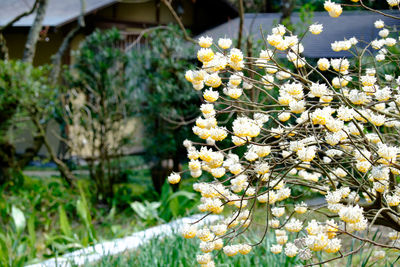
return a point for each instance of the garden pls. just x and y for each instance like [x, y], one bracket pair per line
[269, 138]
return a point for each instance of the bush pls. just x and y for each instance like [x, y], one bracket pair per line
[100, 114]
[330, 128]
[165, 101]
[25, 97]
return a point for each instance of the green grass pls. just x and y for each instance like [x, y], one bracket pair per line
[177, 251]
[40, 200]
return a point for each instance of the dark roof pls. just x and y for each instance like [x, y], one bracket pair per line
[359, 24]
[59, 12]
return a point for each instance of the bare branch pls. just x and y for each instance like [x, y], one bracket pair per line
[178, 20]
[33, 35]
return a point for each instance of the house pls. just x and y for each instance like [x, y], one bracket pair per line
[130, 16]
[359, 24]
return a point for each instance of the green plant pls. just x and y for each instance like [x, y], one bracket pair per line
[58, 219]
[100, 111]
[25, 97]
[170, 205]
[164, 101]
[15, 245]
[177, 251]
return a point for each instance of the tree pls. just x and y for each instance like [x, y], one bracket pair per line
[20, 91]
[99, 116]
[331, 128]
[24, 91]
[166, 103]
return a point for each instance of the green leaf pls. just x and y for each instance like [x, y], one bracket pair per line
[18, 218]
[64, 223]
[174, 207]
[84, 214]
[186, 194]
[32, 234]
[139, 209]
[165, 192]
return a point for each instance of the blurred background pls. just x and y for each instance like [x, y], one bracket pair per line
[94, 108]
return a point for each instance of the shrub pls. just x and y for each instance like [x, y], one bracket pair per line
[25, 97]
[99, 111]
[164, 99]
[330, 128]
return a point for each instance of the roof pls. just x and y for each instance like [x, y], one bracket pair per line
[59, 12]
[359, 24]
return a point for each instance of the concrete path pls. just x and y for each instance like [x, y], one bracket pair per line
[117, 246]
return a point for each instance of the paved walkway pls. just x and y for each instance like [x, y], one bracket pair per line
[120, 245]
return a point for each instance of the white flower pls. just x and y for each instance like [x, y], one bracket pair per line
[333, 245]
[393, 3]
[224, 43]
[323, 64]
[279, 30]
[266, 54]
[235, 55]
[379, 24]
[316, 28]
[384, 33]
[205, 55]
[205, 42]
[318, 89]
[380, 57]
[333, 9]
[174, 178]
[278, 212]
[378, 44]
[291, 250]
[231, 250]
[307, 154]
[210, 95]
[351, 214]
[189, 231]
[300, 208]
[353, 40]
[390, 41]
[340, 64]
[378, 255]
[297, 106]
[276, 249]
[333, 197]
[294, 225]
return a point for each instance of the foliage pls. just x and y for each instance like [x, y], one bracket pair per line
[100, 111]
[170, 205]
[164, 99]
[176, 251]
[44, 218]
[25, 96]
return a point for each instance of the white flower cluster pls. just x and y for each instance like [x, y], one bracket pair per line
[335, 135]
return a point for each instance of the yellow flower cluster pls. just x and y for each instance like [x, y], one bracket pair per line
[335, 135]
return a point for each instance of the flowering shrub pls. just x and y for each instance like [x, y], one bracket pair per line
[332, 128]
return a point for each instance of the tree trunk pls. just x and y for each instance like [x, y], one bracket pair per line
[7, 161]
[159, 174]
[3, 48]
[33, 36]
[56, 59]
